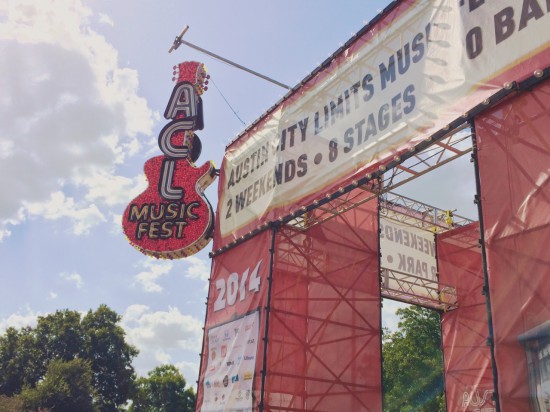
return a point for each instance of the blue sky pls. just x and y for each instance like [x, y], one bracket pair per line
[83, 85]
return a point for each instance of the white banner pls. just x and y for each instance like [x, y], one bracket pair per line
[407, 249]
[419, 68]
[232, 351]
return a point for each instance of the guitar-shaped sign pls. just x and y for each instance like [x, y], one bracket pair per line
[172, 218]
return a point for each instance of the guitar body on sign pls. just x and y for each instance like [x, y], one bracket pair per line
[172, 228]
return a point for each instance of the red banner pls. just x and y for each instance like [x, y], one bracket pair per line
[468, 372]
[514, 162]
[324, 332]
[230, 376]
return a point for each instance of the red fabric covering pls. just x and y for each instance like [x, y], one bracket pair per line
[514, 158]
[468, 372]
[324, 331]
[236, 261]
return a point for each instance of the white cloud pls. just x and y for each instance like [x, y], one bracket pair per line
[68, 112]
[154, 270]
[148, 279]
[162, 357]
[198, 269]
[53, 295]
[59, 206]
[389, 316]
[134, 312]
[112, 190]
[161, 336]
[161, 330]
[4, 233]
[105, 19]
[18, 320]
[73, 277]
[190, 371]
[116, 220]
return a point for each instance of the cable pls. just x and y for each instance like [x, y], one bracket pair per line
[221, 94]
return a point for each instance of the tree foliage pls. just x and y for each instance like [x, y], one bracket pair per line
[413, 363]
[38, 360]
[66, 387]
[10, 404]
[163, 391]
[110, 357]
[19, 360]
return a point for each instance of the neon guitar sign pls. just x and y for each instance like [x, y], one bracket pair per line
[172, 218]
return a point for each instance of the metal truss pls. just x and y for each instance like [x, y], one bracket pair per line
[416, 290]
[441, 152]
[413, 213]
[452, 146]
[394, 284]
[305, 262]
[397, 285]
[408, 288]
[298, 258]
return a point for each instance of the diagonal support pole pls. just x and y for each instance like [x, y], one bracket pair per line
[178, 41]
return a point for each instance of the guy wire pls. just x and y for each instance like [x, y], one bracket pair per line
[221, 94]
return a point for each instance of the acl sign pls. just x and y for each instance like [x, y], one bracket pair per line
[172, 218]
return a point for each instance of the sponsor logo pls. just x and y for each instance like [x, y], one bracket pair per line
[208, 384]
[224, 351]
[226, 335]
[246, 357]
[225, 381]
[213, 354]
[229, 363]
[247, 394]
[234, 378]
[239, 359]
[247, 376]
[248, 327]
[251, 341]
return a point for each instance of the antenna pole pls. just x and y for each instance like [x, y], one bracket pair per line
[178, 41]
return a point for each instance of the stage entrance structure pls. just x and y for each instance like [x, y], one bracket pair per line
[310, 233]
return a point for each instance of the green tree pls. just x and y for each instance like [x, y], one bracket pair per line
[26, 354]
[66, 387]
[19, 360]
[10, 404]
[163, 390]
[413, 363]
[59, 336]
[110, 356]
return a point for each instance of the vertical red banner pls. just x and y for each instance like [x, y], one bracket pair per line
[468, 373]
[232, 356]
[514, 163]
[323, 350]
